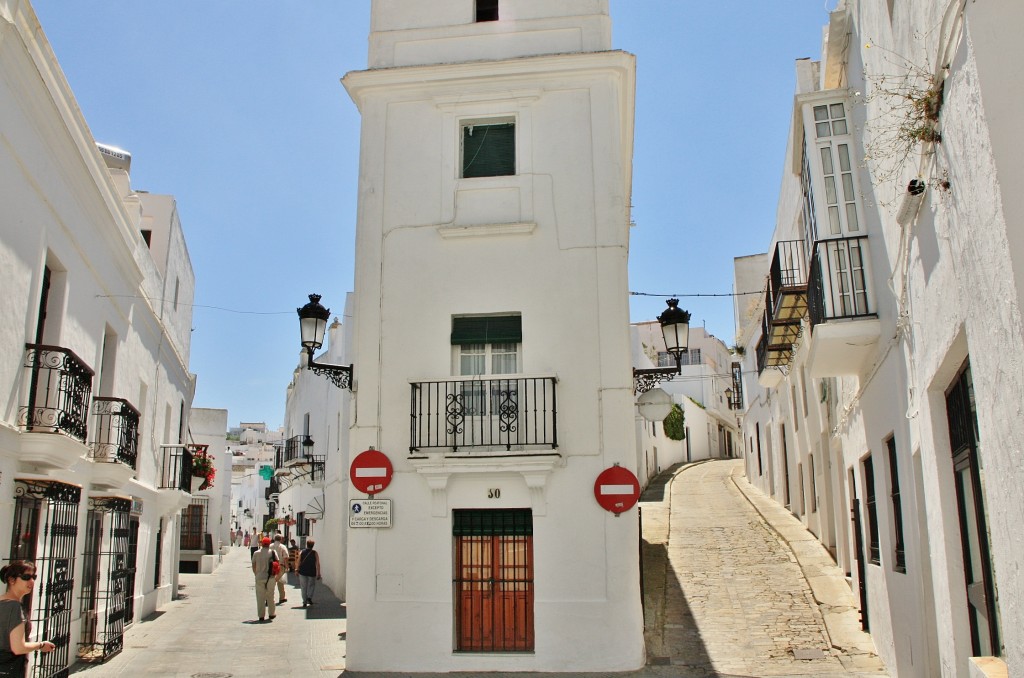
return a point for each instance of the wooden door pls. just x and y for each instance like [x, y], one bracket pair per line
[494, 589]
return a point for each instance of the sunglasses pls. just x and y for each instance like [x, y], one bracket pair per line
[26, 577]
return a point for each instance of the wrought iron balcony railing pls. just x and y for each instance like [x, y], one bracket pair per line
[788, 272]
[59, 387]
[484, 412]
[838, 286]
[115, 431]
[291, 451]
[176, 469]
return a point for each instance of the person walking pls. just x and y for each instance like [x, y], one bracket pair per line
[262, 561]
[309, 572]
[282, 555]
[19, 576]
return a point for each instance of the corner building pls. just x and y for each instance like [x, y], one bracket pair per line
[491, 339]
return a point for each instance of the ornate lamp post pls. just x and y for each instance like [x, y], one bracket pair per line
[312, 324]
[675, 330]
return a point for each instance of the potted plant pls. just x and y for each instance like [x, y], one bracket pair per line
[202, 471]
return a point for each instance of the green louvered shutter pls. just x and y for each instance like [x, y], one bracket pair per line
[496, 329]
[489, 150]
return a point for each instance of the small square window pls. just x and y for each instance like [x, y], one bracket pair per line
[486, 10]
[489, 150]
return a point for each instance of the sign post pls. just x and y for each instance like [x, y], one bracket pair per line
[616, 489]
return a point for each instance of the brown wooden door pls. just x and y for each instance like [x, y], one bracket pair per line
[494, 588]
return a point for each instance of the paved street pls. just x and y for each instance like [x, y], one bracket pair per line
[209, 632]
[734, 587]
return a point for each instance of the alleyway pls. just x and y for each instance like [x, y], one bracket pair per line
[734, 588]
[726, 595]
[209, 632]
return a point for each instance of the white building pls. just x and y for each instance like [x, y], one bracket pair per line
[706, 389]
[312, 478]
[252, 447]
[491, 340]
[207, 518]
[94, 348]
[888, 343]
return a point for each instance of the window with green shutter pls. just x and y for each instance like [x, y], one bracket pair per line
[489, 150]
[487, 329]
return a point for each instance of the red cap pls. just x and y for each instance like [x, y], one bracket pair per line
[266, 541]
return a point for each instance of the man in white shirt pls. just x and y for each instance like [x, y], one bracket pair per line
[282, 552]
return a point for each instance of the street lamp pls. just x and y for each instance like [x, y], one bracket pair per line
[312, 324]
[675, 330]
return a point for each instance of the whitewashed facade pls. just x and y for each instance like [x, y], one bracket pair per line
[887, 348]
[313, 479]
[94, 347]
[490, 337]
[209, 512]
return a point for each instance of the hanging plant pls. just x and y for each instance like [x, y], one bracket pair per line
[202, 467]
[675, 424]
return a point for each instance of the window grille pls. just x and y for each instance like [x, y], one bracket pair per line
[193, 524]
[900, 561]
[870, 500]
[46, 532]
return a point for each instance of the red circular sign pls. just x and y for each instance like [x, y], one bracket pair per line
[370, 471]
[616, 489]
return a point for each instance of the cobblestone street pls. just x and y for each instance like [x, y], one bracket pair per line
[734, 587]
[726, 595]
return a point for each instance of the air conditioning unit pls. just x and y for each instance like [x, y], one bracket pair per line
[911, 203]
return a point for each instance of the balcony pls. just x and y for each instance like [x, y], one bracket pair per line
[297, 464]
[784, 308]
[491, 413]
[57, 402]
[842, 308]
[176, 469]
[115, 442]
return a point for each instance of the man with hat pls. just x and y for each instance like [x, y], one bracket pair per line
[265, 582]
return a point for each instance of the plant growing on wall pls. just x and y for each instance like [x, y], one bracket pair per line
[909, 98]
[270, 525]
[675, 424]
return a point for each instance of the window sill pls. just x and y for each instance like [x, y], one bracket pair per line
[482, 230]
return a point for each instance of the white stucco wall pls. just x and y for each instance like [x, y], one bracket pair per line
[549, 243]
[947, 284]
[65, 210]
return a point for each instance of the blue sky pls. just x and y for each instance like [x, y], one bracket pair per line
[236, 109]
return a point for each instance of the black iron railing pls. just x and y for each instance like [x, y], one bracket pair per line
[60, 384]
[762, 352]
[176, 469]
[838, 284]
[46, 532]
[115, 431]
[788, 270]
[484, 412]
[292, 451]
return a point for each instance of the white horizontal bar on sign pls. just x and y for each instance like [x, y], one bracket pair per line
[378, 472]
[617, 489]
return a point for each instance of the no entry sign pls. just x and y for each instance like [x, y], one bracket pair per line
[616, 489]
[370, 471]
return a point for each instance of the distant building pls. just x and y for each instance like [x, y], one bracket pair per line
[705, 390]
[883, 361]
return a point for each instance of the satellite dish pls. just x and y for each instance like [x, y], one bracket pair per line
[654, 405]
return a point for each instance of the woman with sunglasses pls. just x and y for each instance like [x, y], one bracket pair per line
[20, 577]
